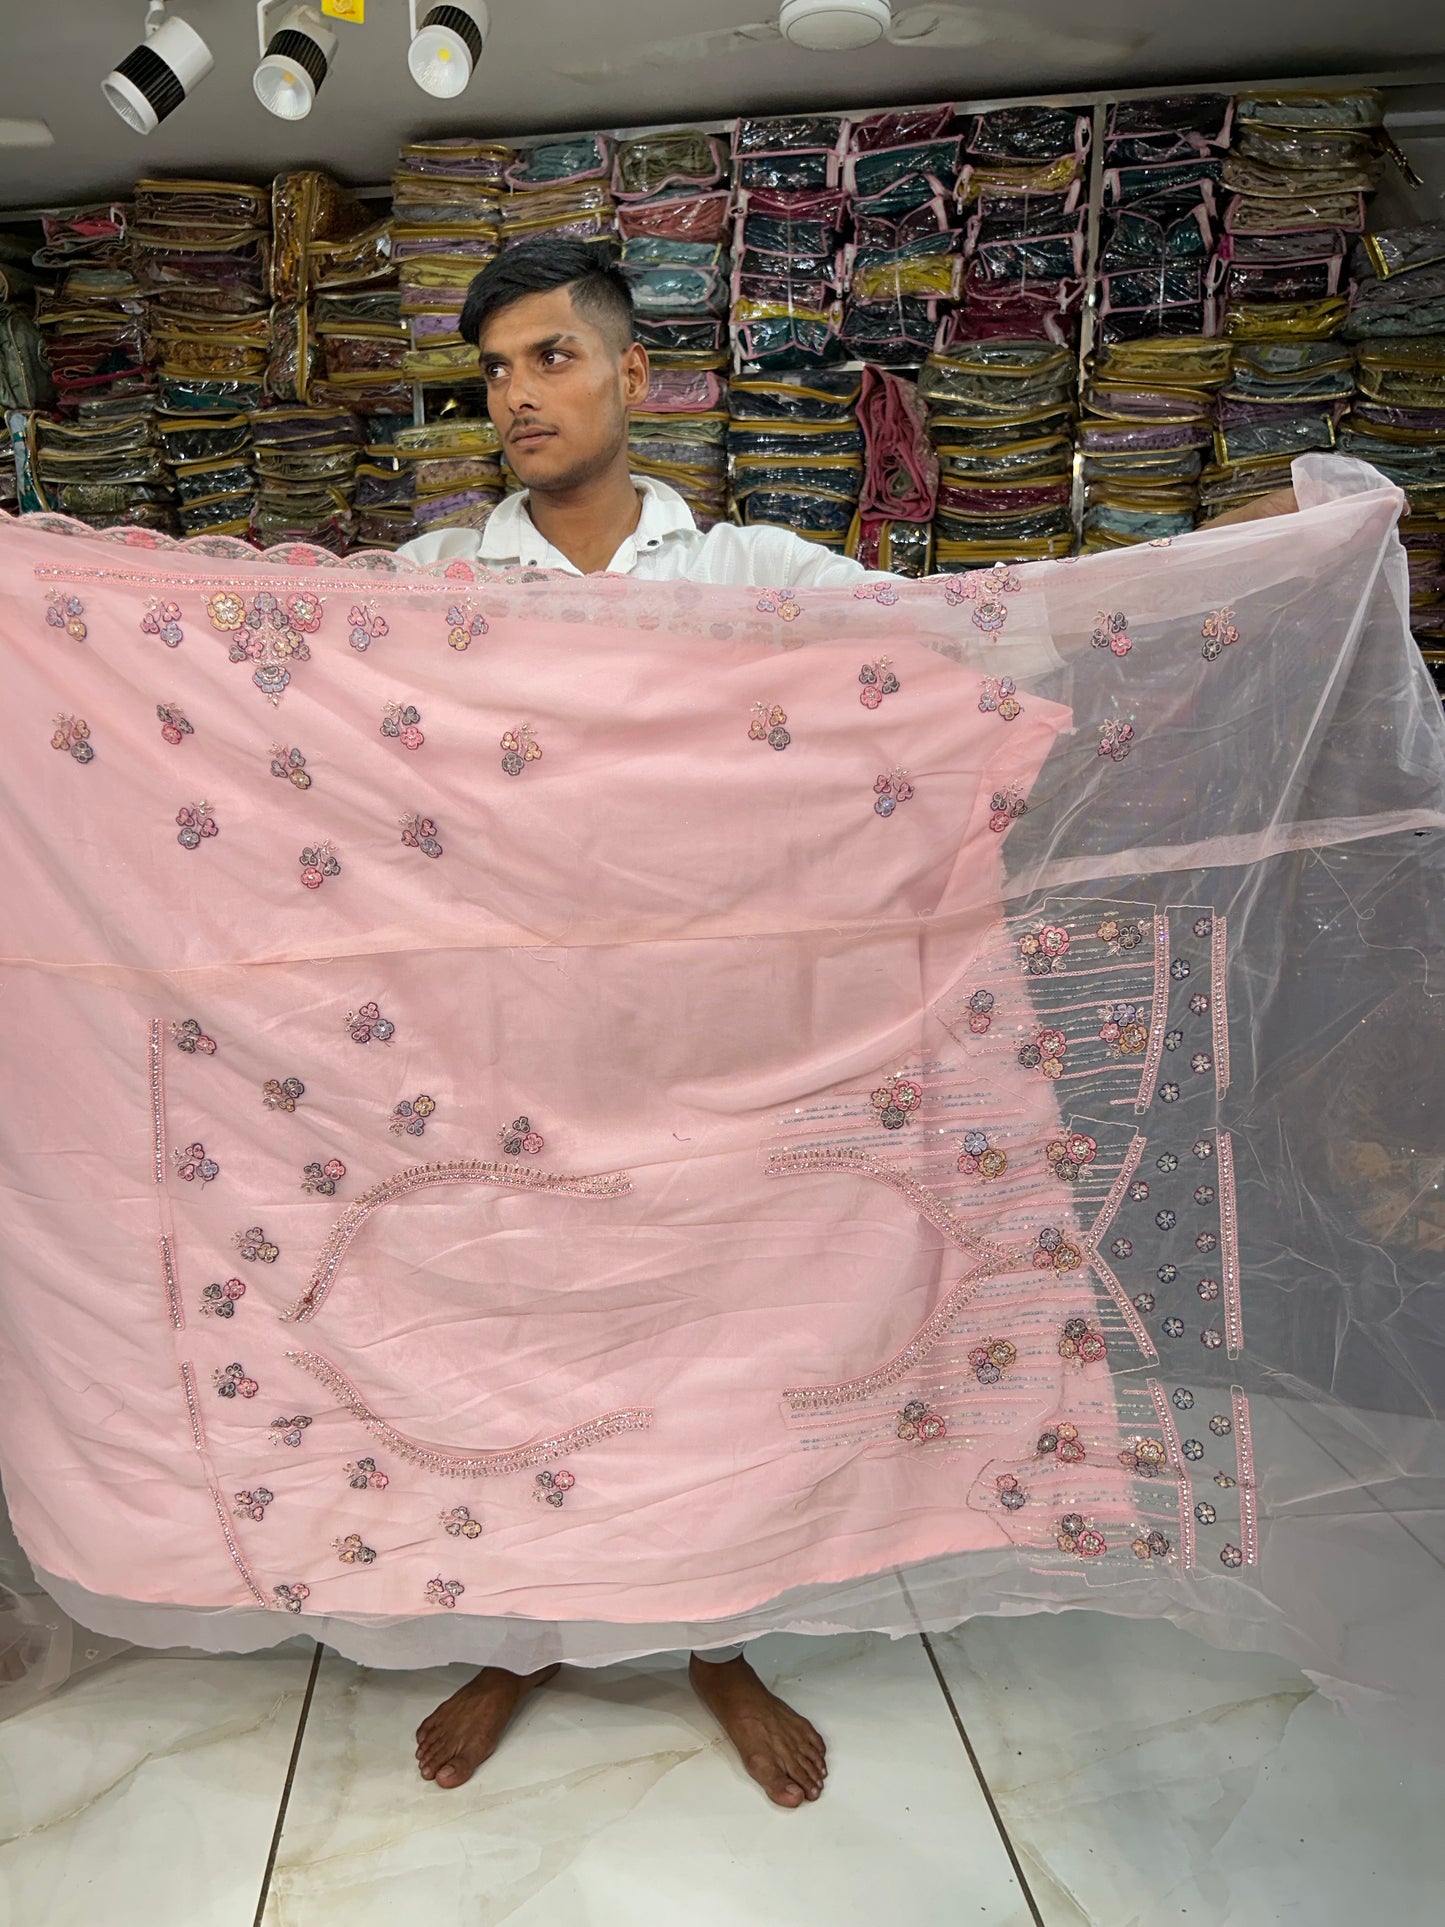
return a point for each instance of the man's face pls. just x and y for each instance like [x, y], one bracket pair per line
[558, 390]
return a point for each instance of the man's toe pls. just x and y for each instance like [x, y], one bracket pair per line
[452, 1773]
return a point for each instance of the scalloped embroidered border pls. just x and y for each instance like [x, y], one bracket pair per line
[788, 1164]
[468, 1465]
[417, 1177]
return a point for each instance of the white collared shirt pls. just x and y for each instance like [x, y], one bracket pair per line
[666, 545]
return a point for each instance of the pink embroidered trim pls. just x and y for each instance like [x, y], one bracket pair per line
[1244, 1463]
[416, 1177]
[188, 1386]
[1158, 1015]
[789, 1164]
[469, 1465]
[1093, 1237]
[809, 1398]
[1187, 1550]
[1229, 1247]
[1218, 1007]
[158, 1117]
[173, 1291]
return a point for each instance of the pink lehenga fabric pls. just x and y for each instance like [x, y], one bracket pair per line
[565, 1117]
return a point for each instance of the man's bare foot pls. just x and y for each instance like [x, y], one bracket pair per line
[452, 1742]
[783, 1752]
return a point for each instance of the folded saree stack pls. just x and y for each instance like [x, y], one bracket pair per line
[306, 462]
[903, 266]
[788, 261]
[1021, 195]
[92, 315]
[562, 189]
[446, 225]
[796, 451]
[451, 470]
[1145, 434]
[323, 239]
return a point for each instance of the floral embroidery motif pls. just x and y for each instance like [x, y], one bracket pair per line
[163, 619]
[520, 747]
[192, 1163]
[767, 726]
[1182, 1399]
[411, 1114]
[1230, 1556]
[1198, 1004]
[1055, 1253]
[1173, 1327]
[1173, 1039]
[255, 1246]
[980, 1011]
[1218, 633]
[1116, 739]
[444, 1592]
[460, 1524]
[1206, 1515]
[920, 1424]
[400, 720]
[1122, 1248]
[895, 1100]
[1145, 1301]
[464, 624]
[189, 1037]
[1112, 632]
[1166, 1163]
[231, 1381]
[878, 681]
[1069, 1157]
[1193, 1450]
[291, 1598]
[367, 625]
[1119, 934]
[890, 789]
[1166, 1220]
[986, 588]
[174, 724]
[287, 1431]
[267, 633]
[990, 1361]
[1180, 969]
[1201, 1061]
[1011, 1494]
[1075, 1534]
[1144, 1456]
[280, 1094]
[553, 1487]
[1000, 698]
[318, 861]
[883, 592]
[368, 1022]
[518, 1139]
[978, 1158]
[1151, 1545]
[363, 1475]
[779, 602]
[72, 733]
[1204, 1194]
[1139, 1191]
[219, 1301]
[1205, 1242]
[1168, 1093]
[1221, 1426]
[1211, 1339]
[351, 1552]
[321, 1180]
[1082, 1342]
[1203, 1149]
[1044, 949]
[1045, 1053]
[196, 823]
[252, 1505]
[1208, 1289]
[420, 833]
[65, 613]
[291, 765]
[1063, 1442]
[1005, 807]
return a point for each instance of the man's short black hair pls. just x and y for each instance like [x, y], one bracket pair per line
[589, 269]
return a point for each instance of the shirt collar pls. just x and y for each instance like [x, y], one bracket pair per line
[511, 536]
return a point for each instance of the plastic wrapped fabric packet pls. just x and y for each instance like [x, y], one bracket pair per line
[1312, 320]
[1358, 107]
[588, 157]
[1120, 438]
[1262, 180]
[805, 133]
[1428, 423]
[306, 206]
[1137, 238]
[762, 264]
[1049, 259]
[900, 473]
[1137, 525]
[837, 477]
[1032, 457]
[1135, 324]
[907, 195]
[897, 333]
[999, 217]
[872, 230]
[1285, 434]
[1170, 361]
[1150, 150]
[1290, 281]
[809, 511]
[295, 358]
[1304, 150]
[199, 438]
[931, 273]
[664, 250]
[667, 291]
[1028, 526]
[692, 338]
[1211, 115]
[1028, 133]
[822, 394]
[1392, 251]
[1009, 371]
[1124, 185]
[1263, 214]
[780, 341]
[897, 128]
[1044, 177]
[875, 171]
[224, 476]
[683, 389]
[702, 218]
[788, 172]
[1010, 498]
[789, 440]
[1298, 244]
[683, 157]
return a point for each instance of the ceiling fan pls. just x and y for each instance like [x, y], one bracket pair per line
[846, 26]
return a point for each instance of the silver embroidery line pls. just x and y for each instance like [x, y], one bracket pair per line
[188, 1386]
[235, 1551]
[1229, 1247]
[789, 1164]
[158, 1120]
[1219, 1008]
[1158, 1014]
[416, 1177]
[1244, 1465]
[168, 1273]
[1116, 1190]
[469, 1465]
[1188, 1554]
[808, 1398]
[1124, 1304]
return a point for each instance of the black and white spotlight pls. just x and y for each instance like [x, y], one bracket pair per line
[296, 55]
[447, 44]
[152, 81]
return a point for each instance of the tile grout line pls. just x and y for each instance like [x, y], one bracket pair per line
[987, 1791]
[286, 1789]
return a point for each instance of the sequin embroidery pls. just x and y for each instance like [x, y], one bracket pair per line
[72, 733]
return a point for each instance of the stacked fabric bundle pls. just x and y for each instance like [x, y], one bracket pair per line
[893, 528]
[1163, 165]
[306, 472]
[1146, 431]
[788, 262]
[322, 238]
[446, 225]
[382, 502]
[796, 451]
[93, 329]
[563, 189]
[1001, 415]
[363, 342]
[107, 466]
[1021, 193]
[672, 214]
[210, 454]
[903, 265]
[453, 471]
[200, 252]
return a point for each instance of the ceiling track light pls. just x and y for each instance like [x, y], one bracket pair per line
[153, 80]
[296, 55]
[446, 45]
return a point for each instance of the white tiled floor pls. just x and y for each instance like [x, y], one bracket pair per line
[1138, 1776]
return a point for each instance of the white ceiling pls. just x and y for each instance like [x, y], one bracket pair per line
[53, 54]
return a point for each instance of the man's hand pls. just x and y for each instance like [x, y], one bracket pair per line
[1279, 501]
